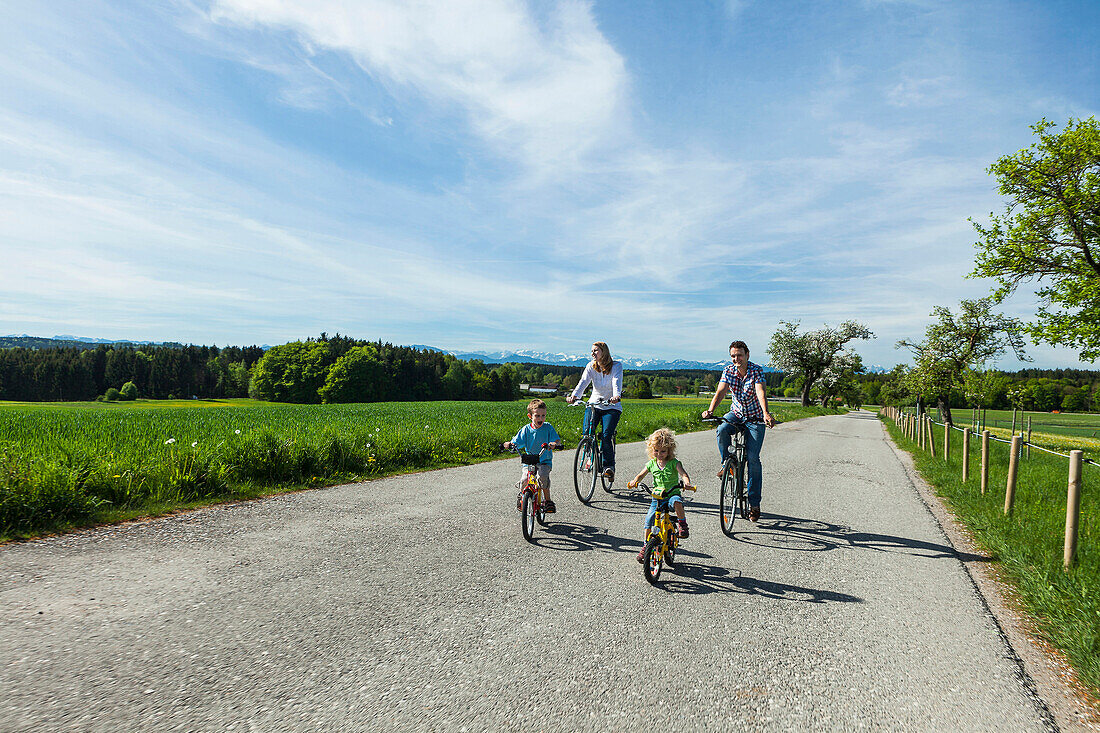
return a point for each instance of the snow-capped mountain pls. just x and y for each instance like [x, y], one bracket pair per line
[530, 356]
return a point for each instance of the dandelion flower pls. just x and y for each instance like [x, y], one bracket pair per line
[368, 445]
[195, 444]
[170, 441]
[237, 431]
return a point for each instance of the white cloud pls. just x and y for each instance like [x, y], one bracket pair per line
[543, 91]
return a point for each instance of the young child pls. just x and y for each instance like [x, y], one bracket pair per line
[667, 472]
[530, 439]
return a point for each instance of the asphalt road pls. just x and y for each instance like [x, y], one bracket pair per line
[414, 603]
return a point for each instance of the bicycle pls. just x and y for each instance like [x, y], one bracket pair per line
[662, 539]
[732, 493]
[587, 462]
[530, 503]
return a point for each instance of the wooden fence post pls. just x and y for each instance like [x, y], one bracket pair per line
[985, 460]
[931, 437]
[1013, 430]
[966, 454]
[1073, 507]
[1013, 468]
[946, 442]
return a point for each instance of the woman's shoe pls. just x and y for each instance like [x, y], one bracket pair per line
[754, 514]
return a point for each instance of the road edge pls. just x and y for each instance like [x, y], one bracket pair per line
[1043, 670]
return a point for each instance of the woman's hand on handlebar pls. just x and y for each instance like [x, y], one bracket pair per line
[707, 415]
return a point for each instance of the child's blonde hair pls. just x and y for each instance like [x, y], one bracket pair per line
[661, 438]
[535, 404]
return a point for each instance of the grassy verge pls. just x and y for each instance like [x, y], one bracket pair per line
[68, 466]
[1028, 545]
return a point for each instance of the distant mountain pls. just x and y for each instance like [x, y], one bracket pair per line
[69, 342]
[528, 356]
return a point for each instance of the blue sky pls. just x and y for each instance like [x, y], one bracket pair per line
[663, 176]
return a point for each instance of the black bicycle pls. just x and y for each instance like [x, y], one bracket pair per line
[733, 501]
[587, 462]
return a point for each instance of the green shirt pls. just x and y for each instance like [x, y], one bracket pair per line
[664, 479]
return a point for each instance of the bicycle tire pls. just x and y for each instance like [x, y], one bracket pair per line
[742, 488]
[727, 498]
[653, 560]
[527, 518]
[670, 551]
[540, 515]
[581, 476]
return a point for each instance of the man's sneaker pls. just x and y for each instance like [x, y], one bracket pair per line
[754, 514]
[682, 528]
[609, 474]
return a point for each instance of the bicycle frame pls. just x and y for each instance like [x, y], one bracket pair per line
[531, 504]
[662, 539]
[588, 461]
[732, 487]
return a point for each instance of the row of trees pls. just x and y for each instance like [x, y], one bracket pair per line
[1049, 232]
[79, 374]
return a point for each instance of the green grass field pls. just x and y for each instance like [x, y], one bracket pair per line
[1078, 424]
[65, 465]
[1028, 544]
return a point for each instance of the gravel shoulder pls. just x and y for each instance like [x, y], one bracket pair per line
[412, 602]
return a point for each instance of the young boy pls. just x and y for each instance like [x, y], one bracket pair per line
[530, 439]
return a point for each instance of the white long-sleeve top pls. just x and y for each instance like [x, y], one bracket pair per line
[604, 386]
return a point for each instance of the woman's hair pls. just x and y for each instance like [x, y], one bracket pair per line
[604, 362]
[535, 404]
[661, 438]
[740, 345]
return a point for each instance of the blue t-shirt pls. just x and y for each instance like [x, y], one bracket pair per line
[530, 441]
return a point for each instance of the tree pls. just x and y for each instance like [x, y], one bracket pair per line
[292, 372]
[954, 344]
[839, 378]
[129, 391]
[111, 395]
[983, 388]
[810, 354]
[1050, 232]
[357, 376]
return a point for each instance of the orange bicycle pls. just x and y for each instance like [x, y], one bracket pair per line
[530, 496]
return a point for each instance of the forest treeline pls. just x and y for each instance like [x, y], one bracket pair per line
[325, 369]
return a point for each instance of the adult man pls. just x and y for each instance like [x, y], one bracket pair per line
[749, 412]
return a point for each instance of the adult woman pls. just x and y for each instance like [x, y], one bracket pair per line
[749, 411]
[606, 377]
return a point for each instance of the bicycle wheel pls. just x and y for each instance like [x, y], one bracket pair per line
[727, 502]
[584, 465]
[540, 514]
[527, 519]
[653, 561]
[741, 489]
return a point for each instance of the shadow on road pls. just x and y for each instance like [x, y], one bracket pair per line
[696, 579]
[811, 535]
[574, 537]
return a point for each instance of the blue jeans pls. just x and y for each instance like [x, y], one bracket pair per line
[656, 503]
[610, 420]
[754, 438]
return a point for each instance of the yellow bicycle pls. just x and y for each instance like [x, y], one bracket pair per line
[662, 538]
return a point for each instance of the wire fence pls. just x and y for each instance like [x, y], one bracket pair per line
[920, 428]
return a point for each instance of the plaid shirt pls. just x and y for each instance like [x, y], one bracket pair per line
[743, 391]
